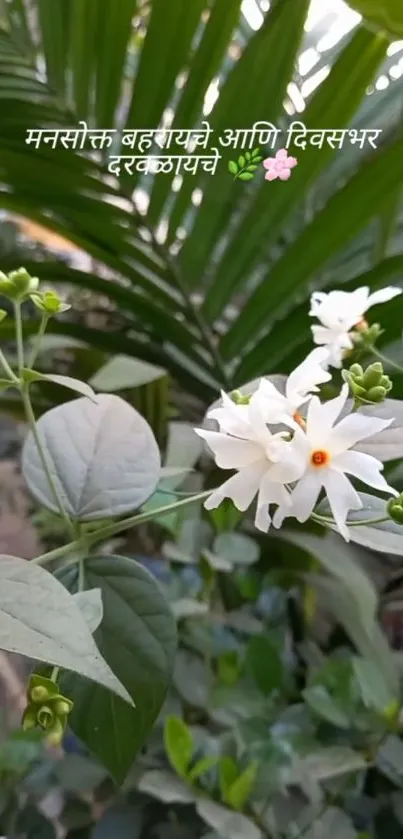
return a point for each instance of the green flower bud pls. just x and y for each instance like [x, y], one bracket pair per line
[63, 707]
[54, 735]
[395, 509]
[239, 398]
[7, 288]
[29, 720]
[45, 717]
[39, 694]
[48, 689]
[367, 336]
[49, 302]
[376, 395]
[370, 386]
[373, 374]
[23, 282]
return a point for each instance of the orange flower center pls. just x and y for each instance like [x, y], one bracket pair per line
[361, 324]
[320, 458]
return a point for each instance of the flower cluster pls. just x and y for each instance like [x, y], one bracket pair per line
[47, 709]
[287, 447]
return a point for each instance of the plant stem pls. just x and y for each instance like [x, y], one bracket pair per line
[386, 360]
[45, 465]
[55, 674]
[325, 520]
[7, 369]
[112, 529]
[19, 336]
[38, 340]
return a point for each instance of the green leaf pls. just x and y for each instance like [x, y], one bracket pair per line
[229, 825]
[318, 698]
[374, 690]
[245, 176]
[241, 789]
[241, 161]
[236, 548]
[342, 562]
[386, 14]
[137, 637]
[228, 773]
[178, 742]
[123, 372]
[388, 444]
[333, 822]
[56, 634]
[265, 664]
[232, 167]
[103, 457]
[63, 381]
[202, 766]
[384, 537]
[79, 774]
[166, 787]
[90, 605]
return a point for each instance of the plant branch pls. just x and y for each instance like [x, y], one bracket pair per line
[38, 340]
[112, 529]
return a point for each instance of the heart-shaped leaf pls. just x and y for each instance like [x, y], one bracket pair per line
[40, 619]
[137, 637]
[103, 458]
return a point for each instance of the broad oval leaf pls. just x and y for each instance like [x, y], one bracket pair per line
[40, 619]
[103, 458]
[178, 742]
[228, 824]
[385, 536]
[388, 444]
[137, 637]
[122, 372]
[166, 787]
[341, 561]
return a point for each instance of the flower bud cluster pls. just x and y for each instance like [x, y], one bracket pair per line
[47, 709]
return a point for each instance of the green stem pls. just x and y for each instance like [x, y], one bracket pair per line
[55, 674]
[386, 360]
[326, 520]
[19, 336]
[38, 340]
[112, 529]
[45, 465]
[7, 369]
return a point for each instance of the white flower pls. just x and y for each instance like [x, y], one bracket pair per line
[339, 312]
[301, 384]
[325, 446]
[264, 462]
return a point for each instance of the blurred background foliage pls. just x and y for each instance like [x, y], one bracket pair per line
[283, 718]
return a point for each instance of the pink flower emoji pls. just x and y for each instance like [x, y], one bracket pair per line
[279, 166]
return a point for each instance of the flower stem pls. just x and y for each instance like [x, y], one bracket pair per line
[112, 529]
[7, 369]
[45, 465]
[38, 340]
[19, 336]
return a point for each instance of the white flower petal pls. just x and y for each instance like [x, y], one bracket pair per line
[321, 417]
[240, 488]
[232, 418]
[306, 494]
[342, 497]
[353, 428]
[364, 467]
[305, 378]
[231, 452]
[383, 295]
[269, 493]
